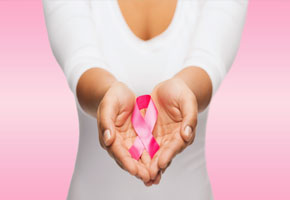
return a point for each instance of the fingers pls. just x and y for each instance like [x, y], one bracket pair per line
[163, 170]
[134, 167]
[192, 138]
[158, 178]
[127, 163]
[152, 165]
[163, 157]
[145, 159]
[107, 114]
[149, 183]
[154, 168]
[170, 150]
[156, 181]
[143, 172]
[189, 111]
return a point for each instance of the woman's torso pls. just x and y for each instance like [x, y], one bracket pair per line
[141, 65]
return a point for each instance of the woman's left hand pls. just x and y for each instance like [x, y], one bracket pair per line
[175, 126]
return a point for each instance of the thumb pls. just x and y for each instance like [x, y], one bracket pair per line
[107, 117]
[189, 111]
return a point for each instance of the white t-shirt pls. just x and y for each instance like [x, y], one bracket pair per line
[93, 33]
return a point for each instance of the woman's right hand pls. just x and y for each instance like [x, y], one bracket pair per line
[116, 133]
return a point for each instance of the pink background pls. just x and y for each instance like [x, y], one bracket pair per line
[248, 141]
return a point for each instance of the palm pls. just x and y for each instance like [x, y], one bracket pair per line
[167, 126]
[125, 137]
[116, 107]
[169, 115]
[167, 98]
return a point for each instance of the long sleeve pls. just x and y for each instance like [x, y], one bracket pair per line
[73, 38]
[216, 39]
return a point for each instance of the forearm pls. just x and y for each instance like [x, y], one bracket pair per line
[199, 83]
[91, 87]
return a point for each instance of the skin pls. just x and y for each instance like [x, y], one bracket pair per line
[147, 18]
[178, 100]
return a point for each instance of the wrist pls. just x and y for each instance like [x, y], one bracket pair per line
[92, 87]
[105, 88]
[198, 81]
[187, 86]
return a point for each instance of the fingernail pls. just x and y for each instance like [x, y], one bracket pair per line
[107, 136]
[188, 132]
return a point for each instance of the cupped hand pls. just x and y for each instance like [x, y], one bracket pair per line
[116, 134]
[175, 126]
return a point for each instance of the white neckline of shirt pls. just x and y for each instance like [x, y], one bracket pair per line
[154, 42]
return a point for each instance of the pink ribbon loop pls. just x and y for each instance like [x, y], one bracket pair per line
[144, 127]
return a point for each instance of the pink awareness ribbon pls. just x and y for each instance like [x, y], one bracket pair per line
[144, 127]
